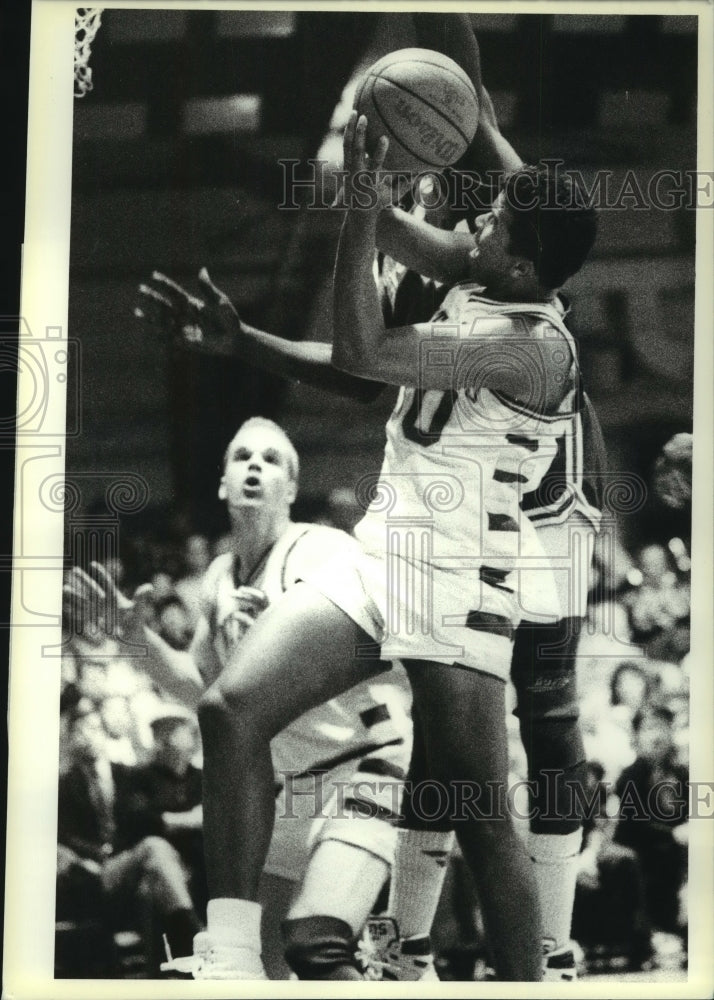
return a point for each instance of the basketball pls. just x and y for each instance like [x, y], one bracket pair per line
[424, 103]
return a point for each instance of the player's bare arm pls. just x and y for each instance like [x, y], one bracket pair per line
[97, 608]
[435, 253]
[211, 324]
[488, 353]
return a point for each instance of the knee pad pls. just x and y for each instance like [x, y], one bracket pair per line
[321, 948]
[369, 833]
[369, 810]
[558, 799]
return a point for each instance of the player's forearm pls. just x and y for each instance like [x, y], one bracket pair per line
[172, 670]
[301, 361]
[490, 150]
[357, 317]
[435, 253]
[453, 35]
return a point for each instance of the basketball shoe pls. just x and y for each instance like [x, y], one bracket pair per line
[384, 955]
[560, 965]
[215, 961]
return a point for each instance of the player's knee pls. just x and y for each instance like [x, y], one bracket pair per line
[320, 948]
[559, 799]
[227, 713]
[491, 836]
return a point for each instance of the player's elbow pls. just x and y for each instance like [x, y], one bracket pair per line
[350, 358]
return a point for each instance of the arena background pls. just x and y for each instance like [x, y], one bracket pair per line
[175, 166]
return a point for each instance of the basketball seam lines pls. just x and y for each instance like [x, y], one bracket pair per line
[417, 156]
[419, 97]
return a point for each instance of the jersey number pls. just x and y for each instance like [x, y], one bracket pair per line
[418, 412]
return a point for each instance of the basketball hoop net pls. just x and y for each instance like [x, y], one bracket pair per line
[86, 26]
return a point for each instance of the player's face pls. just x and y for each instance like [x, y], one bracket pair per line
[257, 472]
[491, 262]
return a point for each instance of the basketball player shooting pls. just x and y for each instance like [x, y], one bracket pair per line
[551, 733]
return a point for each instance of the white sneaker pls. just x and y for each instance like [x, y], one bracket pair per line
[216, 961]
[384, 955]
[560, 965]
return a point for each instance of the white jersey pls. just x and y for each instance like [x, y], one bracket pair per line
[343, 729]
[462, 461]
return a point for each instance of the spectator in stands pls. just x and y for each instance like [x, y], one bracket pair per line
[171, 786]
[653, 815]
[630, 686]
[609, 917]
[92, 679]
[658, 606]
[105, 831]
[120, 730]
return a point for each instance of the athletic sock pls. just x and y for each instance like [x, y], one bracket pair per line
[555, 866]
[235, 923]
[418, 878]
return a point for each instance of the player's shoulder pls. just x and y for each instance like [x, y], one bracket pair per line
[221, 566]
[480, 317]
[322, 536]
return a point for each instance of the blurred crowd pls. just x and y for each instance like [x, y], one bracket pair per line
[129, 854]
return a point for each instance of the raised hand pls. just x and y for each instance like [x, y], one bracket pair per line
[209, 324]
[96, 609]
[367, 185]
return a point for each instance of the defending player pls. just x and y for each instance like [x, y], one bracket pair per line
[338, 769]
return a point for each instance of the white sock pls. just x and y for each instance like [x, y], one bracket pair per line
[235, 923]
[555, 866]
[417, 879]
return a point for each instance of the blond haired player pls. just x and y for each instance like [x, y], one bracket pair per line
[337, 769]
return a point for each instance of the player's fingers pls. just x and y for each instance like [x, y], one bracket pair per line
[339, 199]
[143, 597]
[251, 600]
[84, 584]
[106, 581]
[154, 307]
[380, 153]
[146, 590]
[348, 140]
[244, 619]
[360, 139]
[179, 298]
[73, 603]
[168, 286]
[212, 292]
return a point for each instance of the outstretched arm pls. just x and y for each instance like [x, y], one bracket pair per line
[96, 608]
[212, 325]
